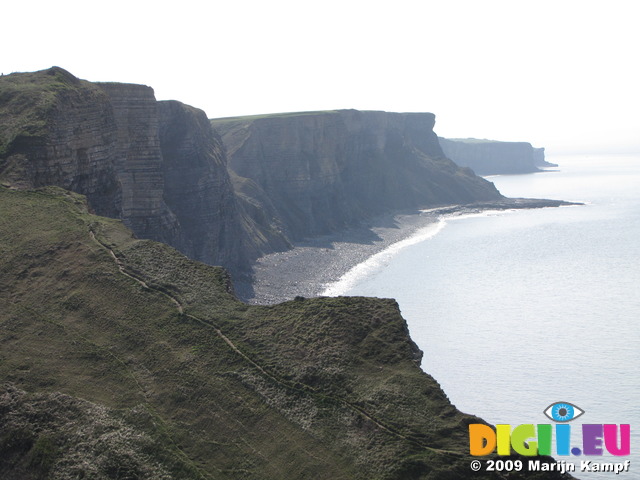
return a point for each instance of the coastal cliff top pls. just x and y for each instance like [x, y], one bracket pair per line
[216, 122]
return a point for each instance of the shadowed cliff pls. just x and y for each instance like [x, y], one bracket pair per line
[323, 171]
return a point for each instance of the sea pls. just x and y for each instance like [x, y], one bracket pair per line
[518, 310]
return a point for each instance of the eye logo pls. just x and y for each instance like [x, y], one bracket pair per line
[563, 412]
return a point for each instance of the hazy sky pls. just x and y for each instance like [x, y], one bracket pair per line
[560, 74]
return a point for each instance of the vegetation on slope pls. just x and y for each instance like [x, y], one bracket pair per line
[121, 358]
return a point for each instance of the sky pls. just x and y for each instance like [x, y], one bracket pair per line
[559, 74]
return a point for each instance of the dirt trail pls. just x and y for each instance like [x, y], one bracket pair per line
[272, 377]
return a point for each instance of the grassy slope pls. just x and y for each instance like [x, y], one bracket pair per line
[75, 324]
[171, 376]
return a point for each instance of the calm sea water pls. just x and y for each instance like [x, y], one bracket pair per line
[517, 310]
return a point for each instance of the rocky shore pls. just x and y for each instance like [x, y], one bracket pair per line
[313, 264]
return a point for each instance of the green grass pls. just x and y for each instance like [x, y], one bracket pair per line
[212, 388]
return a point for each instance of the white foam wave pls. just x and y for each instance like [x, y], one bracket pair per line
[380, 259]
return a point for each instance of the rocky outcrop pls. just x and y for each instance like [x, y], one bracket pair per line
[58, 130]
[489, 157]
[539, 159]
[323, 171]
[158, 166]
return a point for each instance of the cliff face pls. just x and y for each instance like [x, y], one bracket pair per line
[197, 188]
[158, 166]
[325, 170]
[488, 157]
[138, 162]
[162, 168]
[55, 129]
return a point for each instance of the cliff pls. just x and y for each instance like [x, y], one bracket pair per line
[213, 224]
[121, 358]
[489, 157]
[539, 158]
[158, 166]
[163, 170]
[323, 171]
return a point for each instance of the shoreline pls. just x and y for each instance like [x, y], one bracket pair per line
[314, 264]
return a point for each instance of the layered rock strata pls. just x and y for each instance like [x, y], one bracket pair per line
[163, 169]
[323, 171]
[158, 166]
[56, 129]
